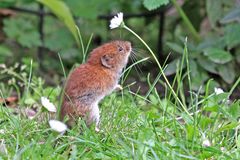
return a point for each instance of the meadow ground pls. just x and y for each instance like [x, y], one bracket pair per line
[132, 126]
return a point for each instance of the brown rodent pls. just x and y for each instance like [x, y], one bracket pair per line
[91, 82]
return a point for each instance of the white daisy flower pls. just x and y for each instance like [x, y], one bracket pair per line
[222, 149]
[2, 131]
[116, 21]
[48, 105]
[206, 143]
[218, 91]
[57, 126]
[3, 66]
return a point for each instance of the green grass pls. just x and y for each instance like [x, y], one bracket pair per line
[132, 127]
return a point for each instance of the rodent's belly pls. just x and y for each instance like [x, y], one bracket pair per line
[103, 91]
[111, 89]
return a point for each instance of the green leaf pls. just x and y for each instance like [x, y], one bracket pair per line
[32, 39]
[205, 122]
[147, 137]
[152, 113]
[153, 99]
[233, 15]
[172, 67]
[227, 72]
[214, 14]
[29, 101]
[207, 65]
[23, 31]
[232, 35]
[227, 127]
[154, 4]
[5, 53]
[59, 40]
[27, 1]
[61, 10]
[218, 55]
[198, 75]
[7, 3]
[190, 131]
[186, 118]
[234, 110]
[211, 41]
[212, 108]
[174, 46]
[100, 155]
[219, 98]
[82, 8]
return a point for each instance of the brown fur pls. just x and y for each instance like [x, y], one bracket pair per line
[92, 81]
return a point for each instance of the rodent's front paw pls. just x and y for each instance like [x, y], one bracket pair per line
[118, 87]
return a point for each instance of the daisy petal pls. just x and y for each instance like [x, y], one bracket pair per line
[116, 21]
[58, 126]
[206, 143]
[48, 105]
[218, 91]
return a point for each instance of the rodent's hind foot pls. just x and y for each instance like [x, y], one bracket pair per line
[97, 129]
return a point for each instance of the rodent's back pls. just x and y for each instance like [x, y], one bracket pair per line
[87, 78]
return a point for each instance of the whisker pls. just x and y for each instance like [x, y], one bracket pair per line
[140, 50]
[139, 56]
[136, 67]
[134, 55]
[140, 53]
[129, 67]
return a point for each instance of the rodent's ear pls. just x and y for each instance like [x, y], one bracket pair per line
[105, 60]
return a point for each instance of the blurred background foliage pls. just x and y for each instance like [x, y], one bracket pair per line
[39, 30]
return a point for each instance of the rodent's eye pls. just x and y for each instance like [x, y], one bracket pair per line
[120, 49]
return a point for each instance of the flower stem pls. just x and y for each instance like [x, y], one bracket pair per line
[234, 86]
[160, 67]
[186, 21]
